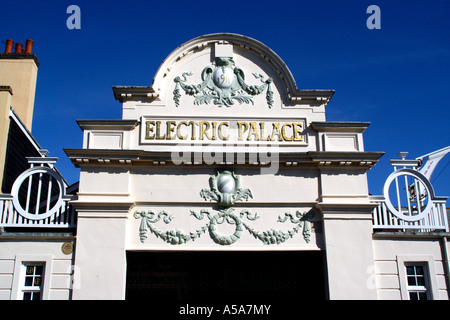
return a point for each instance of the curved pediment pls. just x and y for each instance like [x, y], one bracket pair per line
[222, 47]
[224, 70]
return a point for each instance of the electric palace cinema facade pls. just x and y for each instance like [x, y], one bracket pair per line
[224, 180]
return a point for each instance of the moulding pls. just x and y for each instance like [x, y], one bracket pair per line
[127, 125]
[6, 88]
[48, 237]
[410, 234]
[346, 211]
[125, 93]
[97, 209]
[339, 126]
[20, 56]
[325, 159]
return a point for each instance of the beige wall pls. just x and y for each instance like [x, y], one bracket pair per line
[58, 280]
[21, 76]
[5, 103]
[390, 255]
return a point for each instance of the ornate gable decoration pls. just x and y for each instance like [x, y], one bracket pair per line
[223, 84]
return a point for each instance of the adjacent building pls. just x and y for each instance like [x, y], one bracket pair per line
[36, 219]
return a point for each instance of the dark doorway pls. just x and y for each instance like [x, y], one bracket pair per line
[215, 276]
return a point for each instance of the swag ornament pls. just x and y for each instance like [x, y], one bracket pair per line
[268, 237]
[223, 84]
[225, 188]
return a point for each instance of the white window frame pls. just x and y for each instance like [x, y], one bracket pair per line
[428, 262]
[33, 289]
[20, 263]
[416, 288]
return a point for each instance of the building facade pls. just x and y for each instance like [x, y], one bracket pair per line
[36, 220]
[223, 180]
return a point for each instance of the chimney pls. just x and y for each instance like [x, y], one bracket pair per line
[29, 46]
[9, 46]
[18, 70]
[19, 47]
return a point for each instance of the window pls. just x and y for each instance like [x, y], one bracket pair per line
[417, 281]
[32, 281]
[31, 277]
[417, 277]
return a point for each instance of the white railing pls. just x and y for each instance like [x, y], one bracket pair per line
[435, 220]
[408, 201]
[64, 217]
[38, 198]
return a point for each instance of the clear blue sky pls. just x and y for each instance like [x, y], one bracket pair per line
[397, 77]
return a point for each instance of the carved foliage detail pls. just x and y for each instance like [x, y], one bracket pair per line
[225, 189]
[222, 84]
[268, 237]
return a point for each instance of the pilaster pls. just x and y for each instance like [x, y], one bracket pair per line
[347, 230]
[100, 255]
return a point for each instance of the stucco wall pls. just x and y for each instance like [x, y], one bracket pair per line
[390, 255]
[58, 271]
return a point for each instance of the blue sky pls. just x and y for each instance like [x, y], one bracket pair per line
[397, 77]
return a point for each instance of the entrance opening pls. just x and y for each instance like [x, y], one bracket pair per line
[214, 276]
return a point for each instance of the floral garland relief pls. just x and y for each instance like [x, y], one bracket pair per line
[225, 189]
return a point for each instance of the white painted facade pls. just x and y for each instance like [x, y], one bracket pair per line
[309, 183]
[59, 267]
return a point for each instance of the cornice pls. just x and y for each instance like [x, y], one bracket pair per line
[339, 126]
[20, 56]
[96, 209]
[335, 159]
[6, 88]
[124, 93]
[126, 125]
[346, 210]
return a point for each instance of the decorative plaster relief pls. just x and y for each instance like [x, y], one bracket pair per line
[268, 237]
[223, 84]
[225, 189]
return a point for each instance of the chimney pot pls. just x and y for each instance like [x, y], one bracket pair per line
[9, 46]
[29, 46]
[18, 48]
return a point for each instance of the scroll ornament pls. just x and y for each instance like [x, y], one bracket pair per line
[223, 84]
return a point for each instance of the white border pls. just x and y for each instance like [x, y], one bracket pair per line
[18, 276]
[429, 261]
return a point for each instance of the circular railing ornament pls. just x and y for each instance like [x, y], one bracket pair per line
[41, 195]
[418, 194]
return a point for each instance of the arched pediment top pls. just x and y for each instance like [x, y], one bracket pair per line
[249, 65]
[254, 47]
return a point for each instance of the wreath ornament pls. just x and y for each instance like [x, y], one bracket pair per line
[225, 190]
